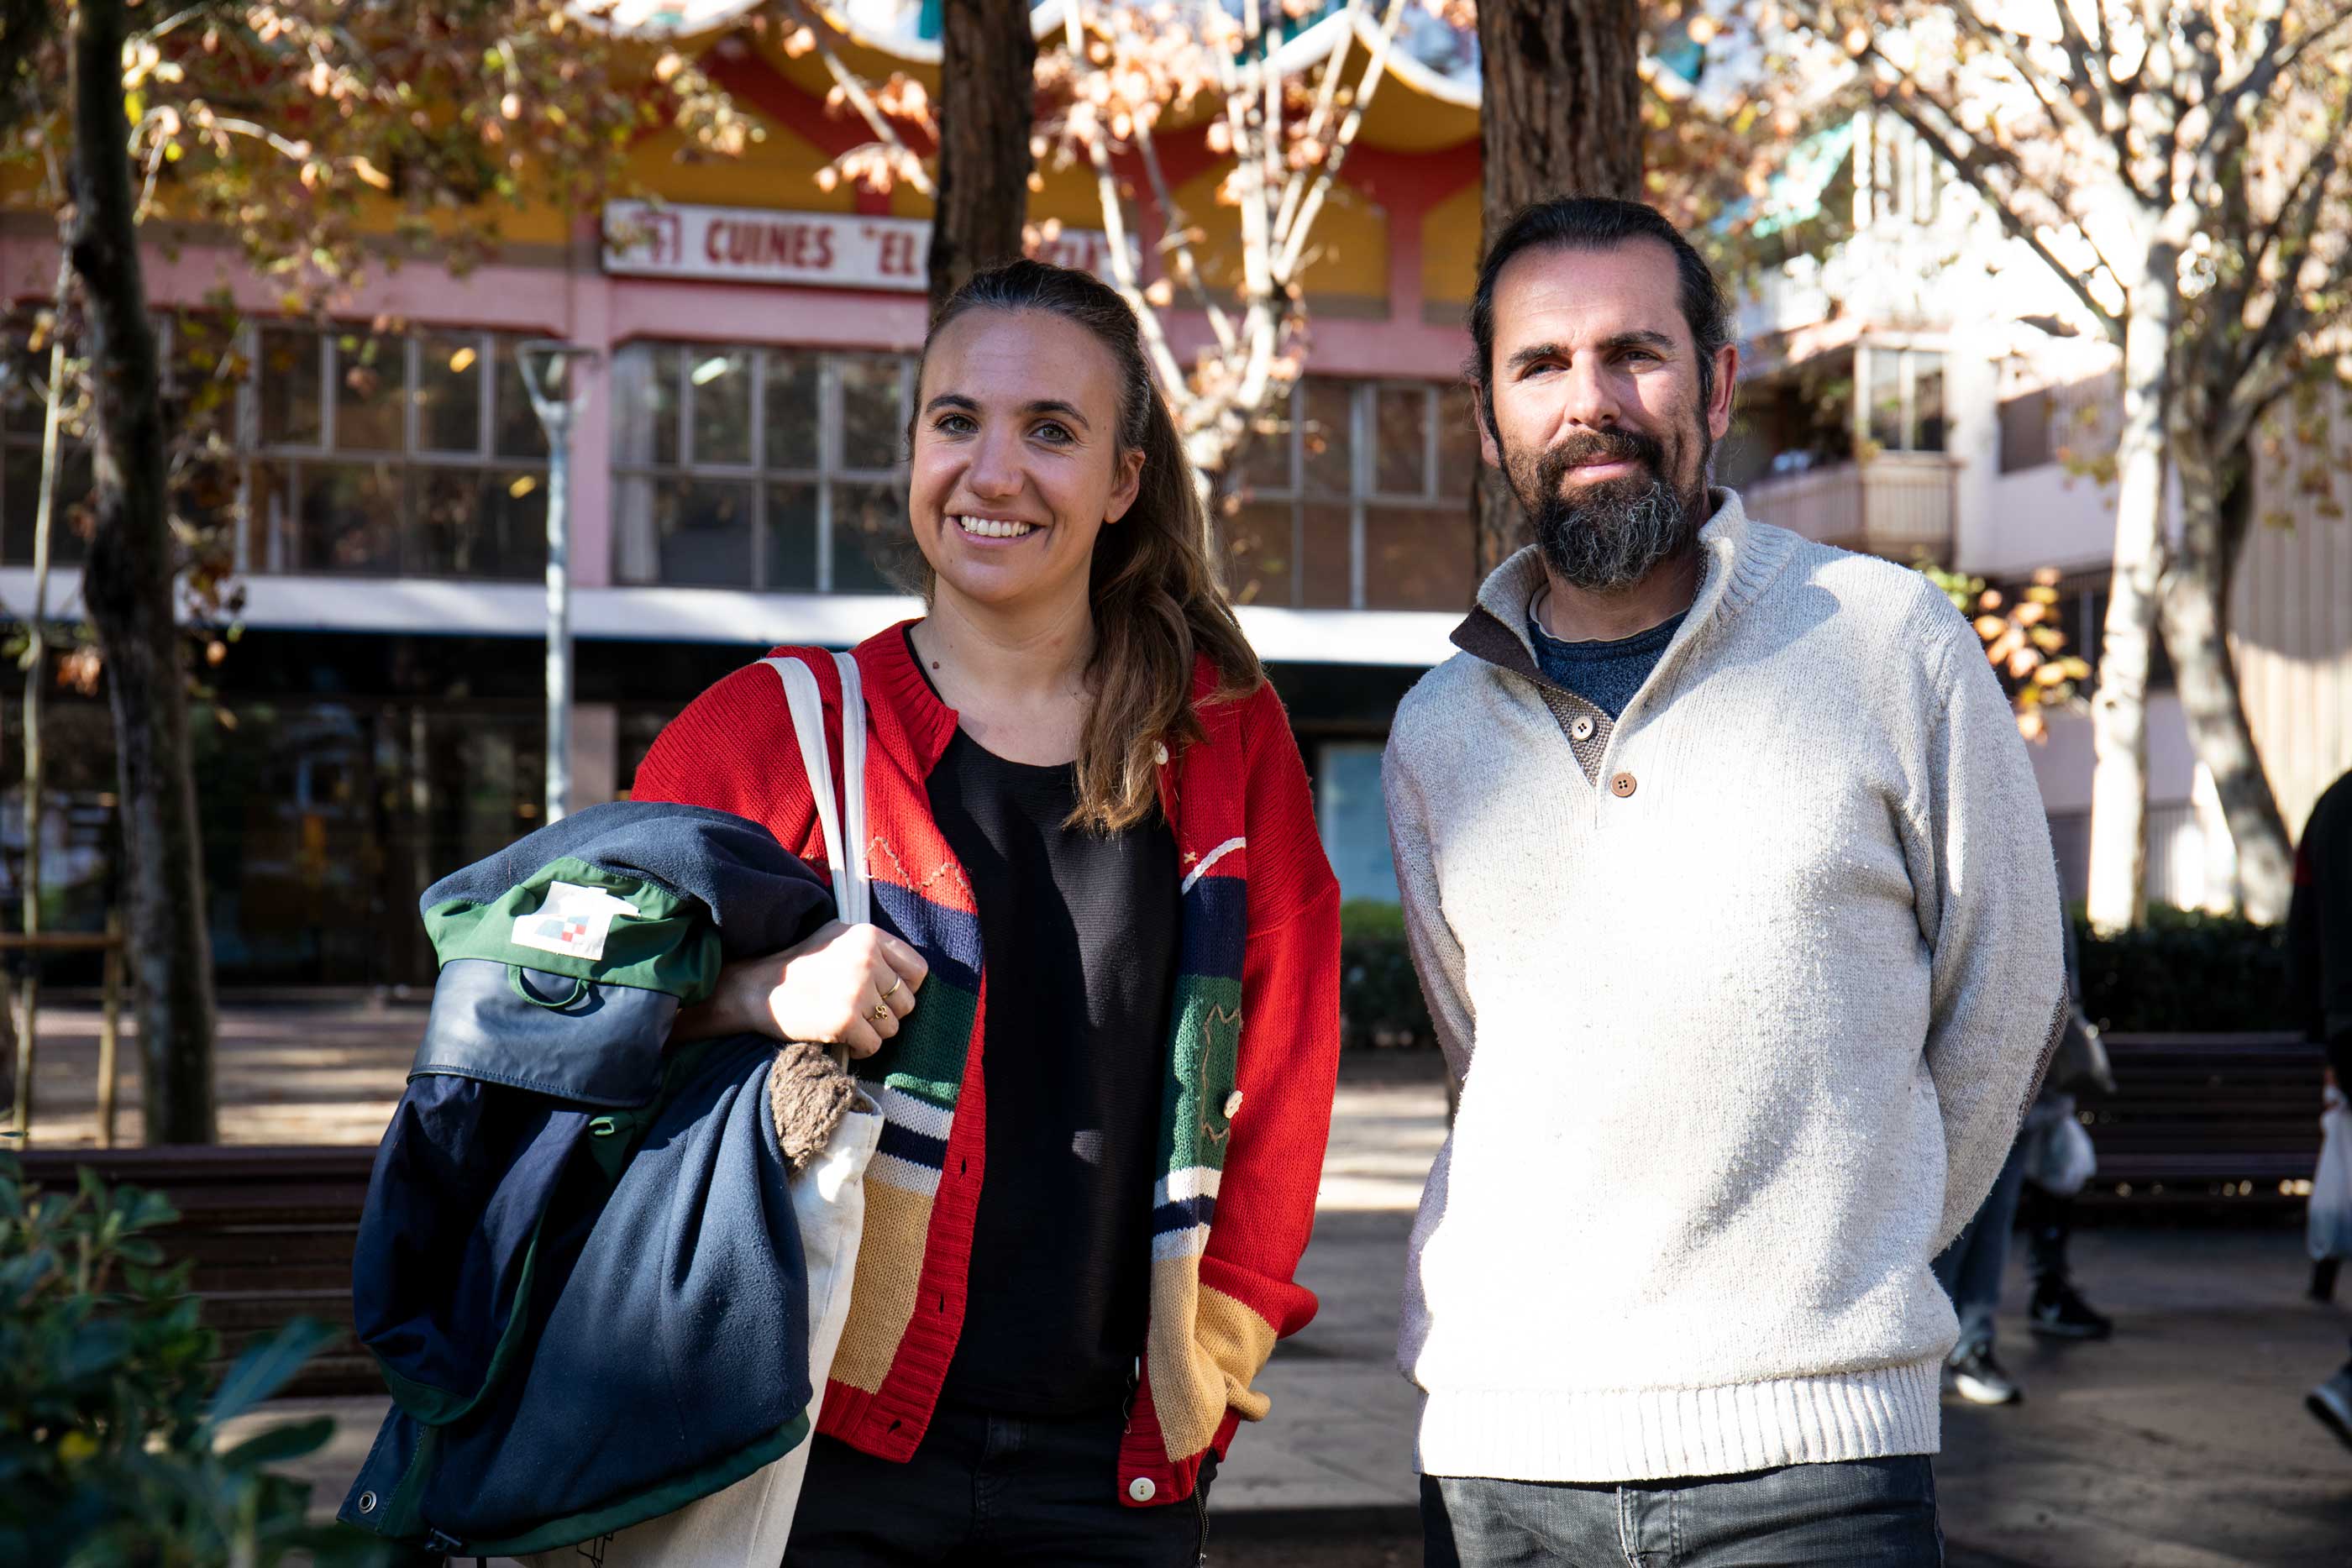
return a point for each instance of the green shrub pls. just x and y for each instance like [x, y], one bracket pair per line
[1379, 997]
[109, 1455]
[2184, 970]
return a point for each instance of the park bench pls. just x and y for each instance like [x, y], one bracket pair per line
[271, 1231]
[2204, 1121]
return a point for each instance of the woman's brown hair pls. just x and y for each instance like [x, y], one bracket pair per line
[1157, 599]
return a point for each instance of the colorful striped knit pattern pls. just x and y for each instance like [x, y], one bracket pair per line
[1242, 1131]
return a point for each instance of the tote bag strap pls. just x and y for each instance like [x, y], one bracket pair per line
[844, 826]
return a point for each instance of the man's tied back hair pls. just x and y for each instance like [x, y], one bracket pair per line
[1600, 223]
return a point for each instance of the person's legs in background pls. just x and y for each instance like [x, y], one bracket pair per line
[2056, 1308]
[1970, 1270]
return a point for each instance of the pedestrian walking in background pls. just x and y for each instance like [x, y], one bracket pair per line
[2059, 1162]
[1725, 872]
[2319, 958]
[1106, 1117]
[2049, 1163]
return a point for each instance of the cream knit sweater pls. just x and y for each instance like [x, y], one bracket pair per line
[1746, 991]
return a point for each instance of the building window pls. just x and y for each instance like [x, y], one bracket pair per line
[1353, 820]
[20, 484]
[2025, 435]
[199, 408]
[1906, 399]
[1357, 496]
[413, 454]
[774, 468]
[1796, 420]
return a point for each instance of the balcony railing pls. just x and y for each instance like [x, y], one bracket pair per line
[1897, 505]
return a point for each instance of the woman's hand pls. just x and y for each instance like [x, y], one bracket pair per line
[846, 985]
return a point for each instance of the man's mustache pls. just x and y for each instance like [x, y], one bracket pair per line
[1598, 446]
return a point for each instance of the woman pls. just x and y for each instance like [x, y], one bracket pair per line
[1091, 839]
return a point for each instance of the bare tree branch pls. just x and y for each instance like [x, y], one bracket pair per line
[2016, 50]
[1114, 211]
[1327, 91]
[2001, 179]
[2269, 62]
[907, 166]
[1176, 239]
[1122, 262]
[1294, 241]
[2261, 369]
[2091, 64]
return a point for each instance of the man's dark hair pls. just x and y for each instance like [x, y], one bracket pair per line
[1600, 223]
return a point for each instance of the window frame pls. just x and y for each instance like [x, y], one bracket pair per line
[832, 469]
[1364, 496]
[272, 514]
[1907, 358]
[165, 323]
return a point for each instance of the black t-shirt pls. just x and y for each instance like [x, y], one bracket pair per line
[1078, 931]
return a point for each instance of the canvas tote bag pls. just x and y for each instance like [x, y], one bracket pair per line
[745, 1525]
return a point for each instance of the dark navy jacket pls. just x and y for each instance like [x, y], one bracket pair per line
[578, 1266]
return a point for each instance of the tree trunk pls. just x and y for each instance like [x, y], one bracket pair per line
[2217, 506]
[128, 586]
[987, 98]
[2119, 709]
[1561, 114]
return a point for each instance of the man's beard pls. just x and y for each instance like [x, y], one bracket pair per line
[1612, 533]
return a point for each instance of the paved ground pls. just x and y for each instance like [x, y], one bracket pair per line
[2182, 1444]
[286, 1074]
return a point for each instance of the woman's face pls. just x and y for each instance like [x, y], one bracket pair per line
[1016, 459]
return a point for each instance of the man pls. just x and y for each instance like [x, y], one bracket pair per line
[2319, 958]
[1725, 873]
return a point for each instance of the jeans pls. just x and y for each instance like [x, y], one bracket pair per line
[987, 1489]
[1859, 1513]
[1970, 1270]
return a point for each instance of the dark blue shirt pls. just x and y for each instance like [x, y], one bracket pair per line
[1605, 675]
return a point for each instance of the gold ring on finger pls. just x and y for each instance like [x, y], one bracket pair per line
[896, 981]
[878, 1012]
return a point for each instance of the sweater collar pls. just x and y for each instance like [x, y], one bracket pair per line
[1738, 559]
[915, 724]
[919, 725]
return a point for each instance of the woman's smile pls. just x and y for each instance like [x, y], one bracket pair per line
[996, 530]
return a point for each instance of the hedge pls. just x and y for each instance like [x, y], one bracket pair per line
[2181, 971]
[2185, 971]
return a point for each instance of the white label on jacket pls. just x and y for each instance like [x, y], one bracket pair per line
[574, 921]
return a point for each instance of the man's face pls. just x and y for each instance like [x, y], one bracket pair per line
[1594, 410]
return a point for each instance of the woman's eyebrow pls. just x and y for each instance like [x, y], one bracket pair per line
[1050, 405]
[1059, 410]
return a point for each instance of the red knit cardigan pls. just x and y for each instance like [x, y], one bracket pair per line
[1244, 1125]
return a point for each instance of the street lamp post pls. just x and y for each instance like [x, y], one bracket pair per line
[546, 366]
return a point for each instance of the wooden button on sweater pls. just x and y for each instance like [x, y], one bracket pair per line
[1623, 784]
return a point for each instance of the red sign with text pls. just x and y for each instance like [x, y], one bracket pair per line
[755, 244]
